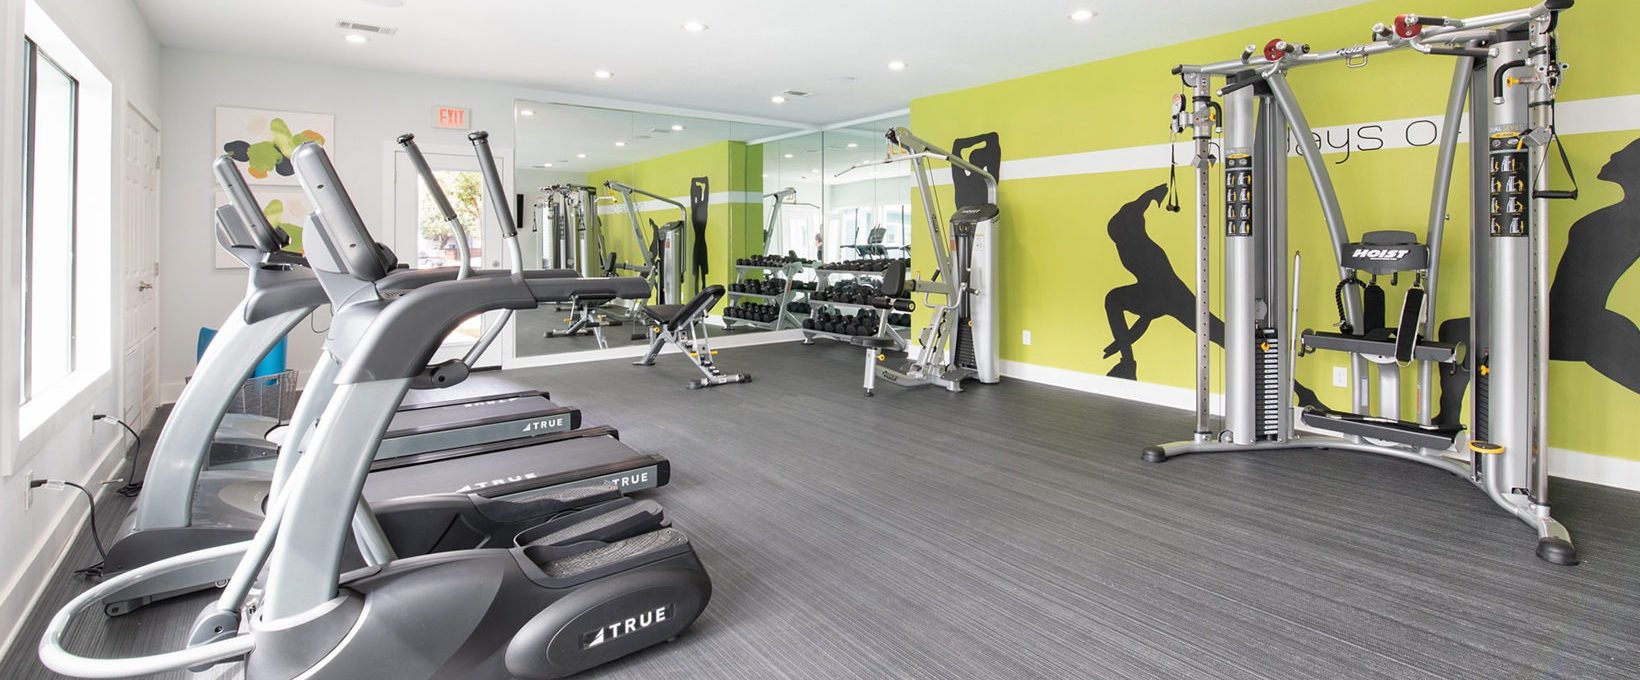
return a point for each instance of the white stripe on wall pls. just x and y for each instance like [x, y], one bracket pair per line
[653, 205]
[1583, 116]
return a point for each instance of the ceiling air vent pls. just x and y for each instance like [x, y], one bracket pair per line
[797, 93]
[365, 28]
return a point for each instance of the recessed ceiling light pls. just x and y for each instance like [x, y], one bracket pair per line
[526, 112]
[896, 66]
[765, 175]
[619, 143]
[777, 99]
[355, 38]
[789, 156]
[580, 155]
[546, 165]
[602, 74]
[853, 145]
[815, 171]
[677, 128]
[1083, 15]
[386, 3]
[694, 26]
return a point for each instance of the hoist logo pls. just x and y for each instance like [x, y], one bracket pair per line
[625, 627]
[1379, 254]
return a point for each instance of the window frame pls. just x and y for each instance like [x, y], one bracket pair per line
[33, 58]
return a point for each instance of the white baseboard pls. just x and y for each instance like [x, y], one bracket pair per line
[1594, 469]
[23, 593]
[635, 351]
[1563, 463]
[1182, 398]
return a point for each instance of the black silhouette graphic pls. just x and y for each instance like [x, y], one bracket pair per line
[983, 150]
[1157, 293]
[1600, 249]
[700, 195]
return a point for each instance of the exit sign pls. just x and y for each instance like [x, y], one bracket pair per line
[451, 118]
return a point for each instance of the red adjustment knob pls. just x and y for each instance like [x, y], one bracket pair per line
[1275, 49]
[1407, 26]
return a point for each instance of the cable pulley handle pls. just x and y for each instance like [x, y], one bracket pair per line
[492, 183]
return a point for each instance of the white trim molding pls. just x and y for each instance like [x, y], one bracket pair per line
[1563, 463]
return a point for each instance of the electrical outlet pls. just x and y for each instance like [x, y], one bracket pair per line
[28, 490]
[1025, 337]
[1341, 376]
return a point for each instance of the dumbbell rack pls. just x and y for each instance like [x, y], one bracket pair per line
[785, 319]
[822, 282]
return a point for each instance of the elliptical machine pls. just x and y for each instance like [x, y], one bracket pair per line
[559, 601]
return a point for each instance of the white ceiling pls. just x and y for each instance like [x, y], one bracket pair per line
[559, 134]
[838, 49]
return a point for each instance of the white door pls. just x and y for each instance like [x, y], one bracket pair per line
[425, 240]
[140, 277]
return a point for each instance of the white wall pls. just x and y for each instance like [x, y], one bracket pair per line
[371, 109]
[115, 37]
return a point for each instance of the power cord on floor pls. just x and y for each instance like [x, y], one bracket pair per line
[94, 570]
[132, 486]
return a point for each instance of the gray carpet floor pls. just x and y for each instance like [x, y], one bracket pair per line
[1011, 531]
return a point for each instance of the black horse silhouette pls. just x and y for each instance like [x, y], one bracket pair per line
[1157, 292]
[1600, 249]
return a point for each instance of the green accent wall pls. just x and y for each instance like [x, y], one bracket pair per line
[1057, 263]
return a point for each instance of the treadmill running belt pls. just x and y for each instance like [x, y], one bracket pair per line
[529, 468]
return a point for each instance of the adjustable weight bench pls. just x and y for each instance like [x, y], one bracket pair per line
[685, 327]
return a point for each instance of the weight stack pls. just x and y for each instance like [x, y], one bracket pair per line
[1268, 400]
[965, 348]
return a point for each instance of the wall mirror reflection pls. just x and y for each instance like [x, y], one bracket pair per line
[674, 199]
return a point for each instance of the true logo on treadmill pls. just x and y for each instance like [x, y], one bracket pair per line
[491, 483]
[545, 425]
[624, 481]
[626, 626]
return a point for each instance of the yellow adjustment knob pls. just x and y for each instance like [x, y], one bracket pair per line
[1486, 370]
[1264, 347]
[1511, 81]
[1485, 448]
[882, 357]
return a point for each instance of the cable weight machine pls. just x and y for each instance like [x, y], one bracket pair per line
[1506, 75]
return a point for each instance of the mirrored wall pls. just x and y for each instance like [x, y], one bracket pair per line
[690, 203]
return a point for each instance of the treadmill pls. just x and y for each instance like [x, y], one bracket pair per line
[186, 508]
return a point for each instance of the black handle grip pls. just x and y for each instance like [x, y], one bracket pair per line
[896, 304]
[1475, 52]
[1557, 5]
[492, 183]
[1497, 77]
[1178, 69]
[419, 161]
[1556, 194]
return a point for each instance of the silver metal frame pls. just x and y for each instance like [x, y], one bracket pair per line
[1509, 274]
[967, 288]
[666, 274]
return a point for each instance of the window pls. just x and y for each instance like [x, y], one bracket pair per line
[50, 149]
